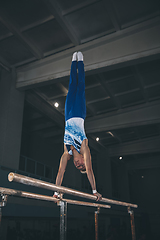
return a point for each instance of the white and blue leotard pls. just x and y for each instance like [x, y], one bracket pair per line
[74, 133]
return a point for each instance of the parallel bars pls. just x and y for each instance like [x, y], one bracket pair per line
[50, 186]
[62, 202]
[5, 192]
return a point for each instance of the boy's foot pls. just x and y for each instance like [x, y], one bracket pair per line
[80, 56]
[74, 57]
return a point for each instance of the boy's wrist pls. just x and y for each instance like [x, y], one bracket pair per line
[94, 191]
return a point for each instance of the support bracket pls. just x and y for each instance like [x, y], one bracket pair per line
[4, 198]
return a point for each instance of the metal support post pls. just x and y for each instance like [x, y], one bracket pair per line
[63, 220]
[96, 222]
[2, 204]
[0, 215]
[131, 212]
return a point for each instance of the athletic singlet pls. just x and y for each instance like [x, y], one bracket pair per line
[74, 133]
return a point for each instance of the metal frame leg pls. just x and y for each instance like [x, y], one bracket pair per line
[96, 222]
[63, 220]
[0, 215]
[3, 203]
[131, 212]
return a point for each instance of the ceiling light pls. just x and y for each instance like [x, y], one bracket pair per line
[120, 158]
[97, 139]
[56, 104]
[142, 176]
[111, 134]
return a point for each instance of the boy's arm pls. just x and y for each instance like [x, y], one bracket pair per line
[62, 167]
[88, 164]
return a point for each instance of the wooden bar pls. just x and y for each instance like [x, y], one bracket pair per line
[13, 192]
[87, 204]
[17, 193]
[50, 186]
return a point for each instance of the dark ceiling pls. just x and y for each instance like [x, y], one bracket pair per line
[122, 102]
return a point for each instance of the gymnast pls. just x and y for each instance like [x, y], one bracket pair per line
[75, 140]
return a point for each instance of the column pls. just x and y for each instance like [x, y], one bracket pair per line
[11, 117]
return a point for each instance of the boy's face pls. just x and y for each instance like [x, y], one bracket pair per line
[79, 162]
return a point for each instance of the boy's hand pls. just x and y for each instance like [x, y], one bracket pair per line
[98, 195]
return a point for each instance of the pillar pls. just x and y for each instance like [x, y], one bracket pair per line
[11, 117]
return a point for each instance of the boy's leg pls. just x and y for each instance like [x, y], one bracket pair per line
[73, 73]
[81, 77]
[80, 95]
[72, 88]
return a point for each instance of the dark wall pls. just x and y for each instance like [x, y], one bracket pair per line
[41, 150]
[145, 192]
[145, 187]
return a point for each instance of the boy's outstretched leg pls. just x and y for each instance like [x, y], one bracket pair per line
[72, 88]
[80, 95]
